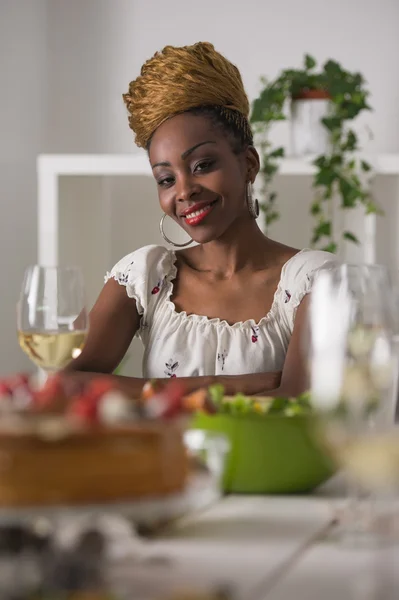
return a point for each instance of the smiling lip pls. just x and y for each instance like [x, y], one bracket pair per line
[197, 213]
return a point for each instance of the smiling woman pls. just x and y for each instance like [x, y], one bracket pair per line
[230, 309]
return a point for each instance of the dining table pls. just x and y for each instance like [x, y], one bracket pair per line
[245, 547]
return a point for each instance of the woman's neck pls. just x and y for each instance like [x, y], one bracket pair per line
[243, 246]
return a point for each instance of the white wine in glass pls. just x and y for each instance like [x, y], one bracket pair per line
[52, 318]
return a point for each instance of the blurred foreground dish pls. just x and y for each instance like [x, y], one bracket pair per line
[98, 446]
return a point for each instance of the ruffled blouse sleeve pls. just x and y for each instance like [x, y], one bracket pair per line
[143, 273]
[298, 277]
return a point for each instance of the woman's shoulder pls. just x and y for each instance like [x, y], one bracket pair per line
[142, 261]
[303, 263]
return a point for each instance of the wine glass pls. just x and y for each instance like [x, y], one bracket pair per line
[52, 318]
[352, 360]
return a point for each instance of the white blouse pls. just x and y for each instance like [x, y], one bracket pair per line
[178, 344]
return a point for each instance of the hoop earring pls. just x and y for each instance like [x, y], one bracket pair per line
[253, 204]
[165, 237]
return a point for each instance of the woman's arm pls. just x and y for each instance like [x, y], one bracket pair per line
[295, 378]
[250, 384]
[113, 322]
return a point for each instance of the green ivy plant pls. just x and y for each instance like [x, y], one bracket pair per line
[338, 172]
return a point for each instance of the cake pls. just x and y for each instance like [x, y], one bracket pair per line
[97, 447]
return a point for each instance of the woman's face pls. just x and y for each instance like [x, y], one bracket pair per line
[201, 181]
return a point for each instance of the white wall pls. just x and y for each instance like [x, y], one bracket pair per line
[72, 60]
[22, 110]
[112, 38]
[90, 42]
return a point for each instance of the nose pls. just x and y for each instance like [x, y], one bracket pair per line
[186, 188]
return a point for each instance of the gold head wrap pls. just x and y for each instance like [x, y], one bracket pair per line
[178, 79]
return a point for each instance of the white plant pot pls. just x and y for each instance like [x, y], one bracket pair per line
[308, 134]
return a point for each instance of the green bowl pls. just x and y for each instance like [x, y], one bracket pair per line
[272, 454]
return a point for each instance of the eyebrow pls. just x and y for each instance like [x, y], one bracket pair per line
[184, 155]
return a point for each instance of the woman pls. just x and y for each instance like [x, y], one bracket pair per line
[230, 309]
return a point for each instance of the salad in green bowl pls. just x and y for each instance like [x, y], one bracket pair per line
[273, 449]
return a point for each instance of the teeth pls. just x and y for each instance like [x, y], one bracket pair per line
[197, 212]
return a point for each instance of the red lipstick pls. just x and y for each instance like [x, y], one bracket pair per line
[197, 213]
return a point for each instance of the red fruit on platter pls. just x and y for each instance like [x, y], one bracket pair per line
[84, 409]
[20, 380]
[49, 393]
[52, 390]
[174, 390]
[168, 402]
[5, 390]
[99, 386]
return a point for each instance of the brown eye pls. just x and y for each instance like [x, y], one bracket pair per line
[204, 165]
[165, 181]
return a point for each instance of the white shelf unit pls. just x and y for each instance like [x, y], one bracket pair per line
[53, 166]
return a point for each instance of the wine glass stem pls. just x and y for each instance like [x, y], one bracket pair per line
[44, 375]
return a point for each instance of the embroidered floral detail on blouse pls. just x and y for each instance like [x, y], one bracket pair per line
[156, 289]
[287, 296]
[255, 333]
[121, 278]
[222, 358]
[171, 367]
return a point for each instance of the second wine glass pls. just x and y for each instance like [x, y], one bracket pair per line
[352, 359]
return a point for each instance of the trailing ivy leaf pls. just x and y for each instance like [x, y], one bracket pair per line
[320, 162]
[331, 247]
[315, 208]
[269, 169]
[272, 217]
[272, 197]
[314, 240]
[310, 62]
[349, 193]
[323, 229]
[347, 235]
[366, 167]
[350, 143]
[331, 123]
[325, 176]
[277, 153]
[336, 160]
